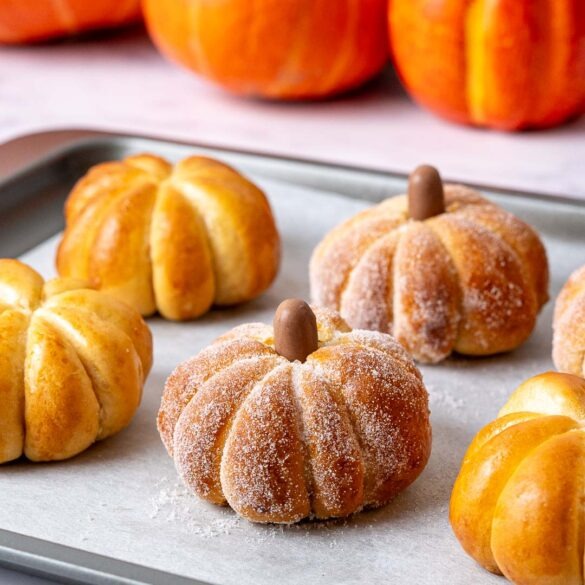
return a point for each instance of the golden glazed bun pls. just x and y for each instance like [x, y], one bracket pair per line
[569, 326]
[517, 505]
[347, 427]
[72, 365]
[173, 239]
[442, 269]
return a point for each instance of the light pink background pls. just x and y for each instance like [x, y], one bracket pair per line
[119, 82]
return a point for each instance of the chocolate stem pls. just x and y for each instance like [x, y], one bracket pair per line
[295, 330]
[425, 193]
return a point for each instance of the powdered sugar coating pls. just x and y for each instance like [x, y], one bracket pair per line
[341, 250]
[426, 302]
[383, 343]
[334, 462]
[569, 326]
[280, 441]
[188, 377]
[498, 307]
[388, 408]
[433, 284]
[366, 300]
[520, 237]
[262, 469]
[204, 423]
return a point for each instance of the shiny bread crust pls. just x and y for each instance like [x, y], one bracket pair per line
[173, 239]
[73, 362]
[516, 506]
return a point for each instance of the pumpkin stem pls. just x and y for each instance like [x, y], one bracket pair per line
[426, 197]
[295, 330]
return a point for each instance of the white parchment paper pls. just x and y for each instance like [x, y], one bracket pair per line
[122, 498]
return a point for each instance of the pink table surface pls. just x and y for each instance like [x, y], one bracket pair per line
[119, 82]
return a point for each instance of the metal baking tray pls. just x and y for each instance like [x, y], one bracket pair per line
[116, 513]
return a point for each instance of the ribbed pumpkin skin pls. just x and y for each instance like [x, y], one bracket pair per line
[288, 49]
[505, 64]
[26, 21]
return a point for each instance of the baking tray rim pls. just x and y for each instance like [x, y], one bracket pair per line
[56, 561]
[46, 559]
[98, 138]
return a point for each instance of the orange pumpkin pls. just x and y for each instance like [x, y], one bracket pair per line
[24, 21]
[506, 64]
[289, 49]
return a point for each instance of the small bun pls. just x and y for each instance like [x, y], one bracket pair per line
[516, 506]
[73, 362]
[173, 239]
[443, 269]
[278, 440]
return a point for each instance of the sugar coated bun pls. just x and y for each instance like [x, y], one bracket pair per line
[281, 429]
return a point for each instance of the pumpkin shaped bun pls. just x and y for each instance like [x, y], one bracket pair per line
[73, 362]
[569, 326]
[306, 418]
[173, 239]
[517, 505]
[442, 269]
